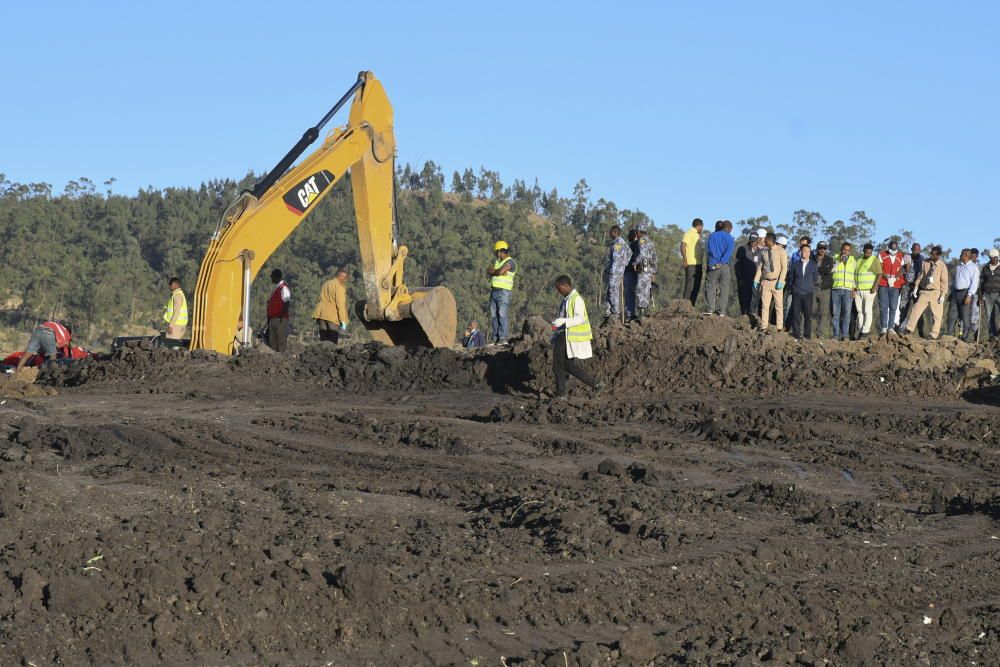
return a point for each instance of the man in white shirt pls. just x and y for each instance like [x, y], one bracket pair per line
[571, 338]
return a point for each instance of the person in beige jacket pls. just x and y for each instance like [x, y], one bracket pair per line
[331, 311]
[931, 292]
[770, 280]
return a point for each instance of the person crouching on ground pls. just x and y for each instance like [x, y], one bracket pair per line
[49, 338]
[571, 338]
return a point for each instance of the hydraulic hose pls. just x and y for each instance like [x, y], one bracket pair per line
[308, 137]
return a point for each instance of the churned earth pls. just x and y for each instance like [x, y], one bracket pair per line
[732, 498]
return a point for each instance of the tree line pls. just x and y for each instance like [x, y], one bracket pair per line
[101, 260]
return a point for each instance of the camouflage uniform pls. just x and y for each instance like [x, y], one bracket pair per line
[619, 255]
[647, 262]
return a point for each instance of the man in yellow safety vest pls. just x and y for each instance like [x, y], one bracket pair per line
[176, 313]
[571, 339]
[501, 276]
[845, 271]
[868, 268]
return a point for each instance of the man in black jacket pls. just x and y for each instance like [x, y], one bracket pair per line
[989, 294]
[746, 269]
[802, 279]
[824, 268]
[913, 269]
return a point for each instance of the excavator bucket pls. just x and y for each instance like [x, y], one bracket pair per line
[429, 320]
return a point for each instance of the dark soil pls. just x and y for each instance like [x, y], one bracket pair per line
[733, 498]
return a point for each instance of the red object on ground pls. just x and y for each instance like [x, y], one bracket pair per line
[36, 360]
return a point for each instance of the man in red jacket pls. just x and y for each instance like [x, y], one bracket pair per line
[50, 338]
[278, 307]
[890, 282]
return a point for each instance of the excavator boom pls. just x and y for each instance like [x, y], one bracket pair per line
[258, 222]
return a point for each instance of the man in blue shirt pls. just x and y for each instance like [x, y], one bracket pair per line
[797, 255]
[720, 248]
[963, 292]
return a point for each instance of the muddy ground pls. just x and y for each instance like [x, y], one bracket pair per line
[732, 498]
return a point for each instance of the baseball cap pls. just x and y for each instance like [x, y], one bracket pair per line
[994, 253]
[782, 240]
[821, 244]
[753, 236]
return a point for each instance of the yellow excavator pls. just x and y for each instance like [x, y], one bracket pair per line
[259, 220]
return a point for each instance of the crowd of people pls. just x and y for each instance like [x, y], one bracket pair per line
[850, 295]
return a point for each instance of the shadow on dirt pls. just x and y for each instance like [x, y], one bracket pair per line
[983, 395]
[961, 505]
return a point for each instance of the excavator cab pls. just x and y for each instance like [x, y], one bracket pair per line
[259, 220]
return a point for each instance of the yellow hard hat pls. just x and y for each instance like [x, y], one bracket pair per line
[500, 245]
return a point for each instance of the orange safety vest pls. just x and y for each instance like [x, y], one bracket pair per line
[62, 334]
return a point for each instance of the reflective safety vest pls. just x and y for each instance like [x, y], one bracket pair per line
[506, 281]
[61, 333]
[579, 333]
[182, 318]
[845, 273]
[865, 279]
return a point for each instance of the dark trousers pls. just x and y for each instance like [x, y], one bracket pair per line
[888, 302]
[989, 313]
[802, 314]
[906, 306]
[788, 309]
[843, 301]
[630, 280]
[328, 330]
[959, 310]
[717, 290]
[692, 283]
[277, 334]
[563, 366]
[823, 311]
[744, 291]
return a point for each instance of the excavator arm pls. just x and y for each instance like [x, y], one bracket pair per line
[258, 222]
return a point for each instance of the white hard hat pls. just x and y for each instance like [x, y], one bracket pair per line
[761, 233]
[782, 240]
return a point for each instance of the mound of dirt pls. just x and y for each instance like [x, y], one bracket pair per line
[130, 364]
[677, 351]
[23, 386]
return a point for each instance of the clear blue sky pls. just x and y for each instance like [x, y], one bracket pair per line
[726, 109]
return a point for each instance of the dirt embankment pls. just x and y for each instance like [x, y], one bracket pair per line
[675, 352]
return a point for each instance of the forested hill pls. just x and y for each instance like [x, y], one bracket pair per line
[101, 260]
